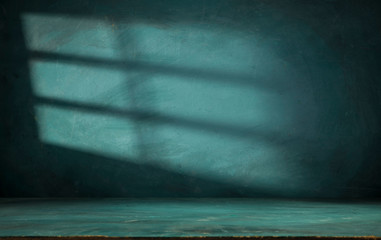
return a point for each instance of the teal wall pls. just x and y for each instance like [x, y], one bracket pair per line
[191, 98]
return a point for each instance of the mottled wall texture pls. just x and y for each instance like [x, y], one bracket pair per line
[202, 98]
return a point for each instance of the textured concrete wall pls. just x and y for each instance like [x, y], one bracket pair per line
[192, 98]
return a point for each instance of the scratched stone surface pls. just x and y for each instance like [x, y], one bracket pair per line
[188, 217]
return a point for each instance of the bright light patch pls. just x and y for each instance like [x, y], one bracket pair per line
[96, 133]
[86, 84]
[68, 35]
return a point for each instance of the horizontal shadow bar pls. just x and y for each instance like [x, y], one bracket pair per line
[191, 238]
[128, 65]
[144, 116]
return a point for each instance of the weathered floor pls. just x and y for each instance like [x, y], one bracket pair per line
[188, 217]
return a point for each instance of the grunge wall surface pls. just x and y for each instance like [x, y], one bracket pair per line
[190, 98]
